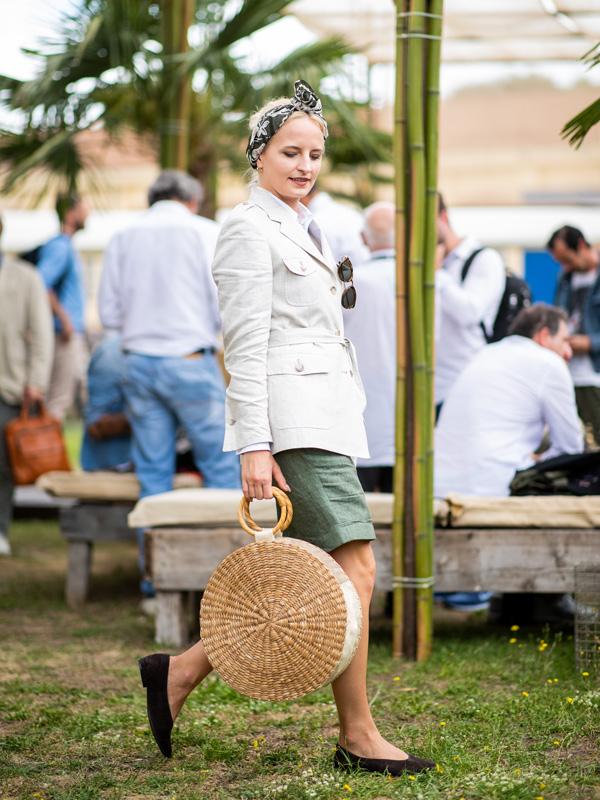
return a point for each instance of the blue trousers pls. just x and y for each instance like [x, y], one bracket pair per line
[163, 394]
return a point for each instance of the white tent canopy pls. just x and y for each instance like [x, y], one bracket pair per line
[473, 30]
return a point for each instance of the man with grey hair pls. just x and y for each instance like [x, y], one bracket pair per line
[371, 327]
[158, 292]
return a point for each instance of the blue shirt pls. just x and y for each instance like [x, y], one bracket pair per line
[60, 268]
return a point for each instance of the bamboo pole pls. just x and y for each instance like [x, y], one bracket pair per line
[434, 30]
[177, 16]
[400, 471]
[416, 147]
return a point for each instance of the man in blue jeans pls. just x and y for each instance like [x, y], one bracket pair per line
[157, 290]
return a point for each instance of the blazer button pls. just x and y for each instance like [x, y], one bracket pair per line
[231, 422]
[333, 290]
[299, 367]
[303, 267]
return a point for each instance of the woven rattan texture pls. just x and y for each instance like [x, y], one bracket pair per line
[273, 620]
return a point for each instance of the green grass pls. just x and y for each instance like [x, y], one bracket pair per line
[505, 720]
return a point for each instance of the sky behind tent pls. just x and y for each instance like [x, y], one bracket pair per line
[25, 23]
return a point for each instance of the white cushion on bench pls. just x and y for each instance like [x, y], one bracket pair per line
[559, 511]
[108, 486]
[215, 507]
[219, 507]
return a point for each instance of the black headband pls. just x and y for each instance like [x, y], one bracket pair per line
[304, 99]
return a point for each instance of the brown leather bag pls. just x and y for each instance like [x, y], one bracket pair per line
[35, 445]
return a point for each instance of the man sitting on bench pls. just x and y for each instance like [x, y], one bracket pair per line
[495, 414]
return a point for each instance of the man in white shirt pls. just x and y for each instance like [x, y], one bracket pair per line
[464, 306]
[578, 292]
[495, 415]
[371, 327]
[341, 224]
[157, 290]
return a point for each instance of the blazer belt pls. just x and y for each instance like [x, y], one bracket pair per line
[316, 336]
[306, 336]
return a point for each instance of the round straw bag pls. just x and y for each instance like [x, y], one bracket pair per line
[279, 617]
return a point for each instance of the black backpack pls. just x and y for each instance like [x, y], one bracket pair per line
[517, 295]
[571, 473]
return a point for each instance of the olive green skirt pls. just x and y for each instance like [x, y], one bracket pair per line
[328, 501]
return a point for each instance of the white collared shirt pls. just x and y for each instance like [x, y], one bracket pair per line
[371, 327]
[157, 288]
[462, 308]
[495, 414]
[342, 227]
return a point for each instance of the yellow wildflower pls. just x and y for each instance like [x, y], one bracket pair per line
[585, 674]
[556, 742]
[396, 679]
[517, 770]
[549, 680]
[514, 627]
[439, 769]
[255, 743]
[442, 723]
[349, 788]
[525, 694]
[412, 778]
[542, 785]
[512, 641]
[569, 699]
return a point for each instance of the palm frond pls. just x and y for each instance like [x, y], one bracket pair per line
[576, 129]
[56, 155]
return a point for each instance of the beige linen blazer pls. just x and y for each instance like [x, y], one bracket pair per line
[294, 380]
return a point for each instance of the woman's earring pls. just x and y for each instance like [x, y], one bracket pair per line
[259, 169]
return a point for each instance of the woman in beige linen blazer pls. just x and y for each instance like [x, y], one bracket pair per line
[294, 402]
[294, 381]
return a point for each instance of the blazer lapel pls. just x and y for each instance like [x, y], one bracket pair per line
[290, 228]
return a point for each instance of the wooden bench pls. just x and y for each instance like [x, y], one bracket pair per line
[182, 556]
[101, 502]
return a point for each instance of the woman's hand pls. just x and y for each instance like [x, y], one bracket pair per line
[258, 470]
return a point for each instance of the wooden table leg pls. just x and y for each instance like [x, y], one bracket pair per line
[78, 573]
[171, 619]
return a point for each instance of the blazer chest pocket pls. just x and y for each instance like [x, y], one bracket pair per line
[301, 281]
[299, 391]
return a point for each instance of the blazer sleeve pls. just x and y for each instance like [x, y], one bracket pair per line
[243, 272]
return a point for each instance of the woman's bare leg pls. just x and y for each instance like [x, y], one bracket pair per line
[358, 732]
[186, 671]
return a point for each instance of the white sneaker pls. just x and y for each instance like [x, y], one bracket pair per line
[5, 549]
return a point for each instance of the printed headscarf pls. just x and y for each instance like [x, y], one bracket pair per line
[304, 99]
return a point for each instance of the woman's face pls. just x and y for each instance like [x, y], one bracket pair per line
[290, 163]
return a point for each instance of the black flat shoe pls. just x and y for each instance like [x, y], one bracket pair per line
[154, 670]
[344, 759]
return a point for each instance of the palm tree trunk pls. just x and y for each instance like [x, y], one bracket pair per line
[177, 86]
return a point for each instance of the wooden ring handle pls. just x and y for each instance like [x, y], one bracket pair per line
[285, 518]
